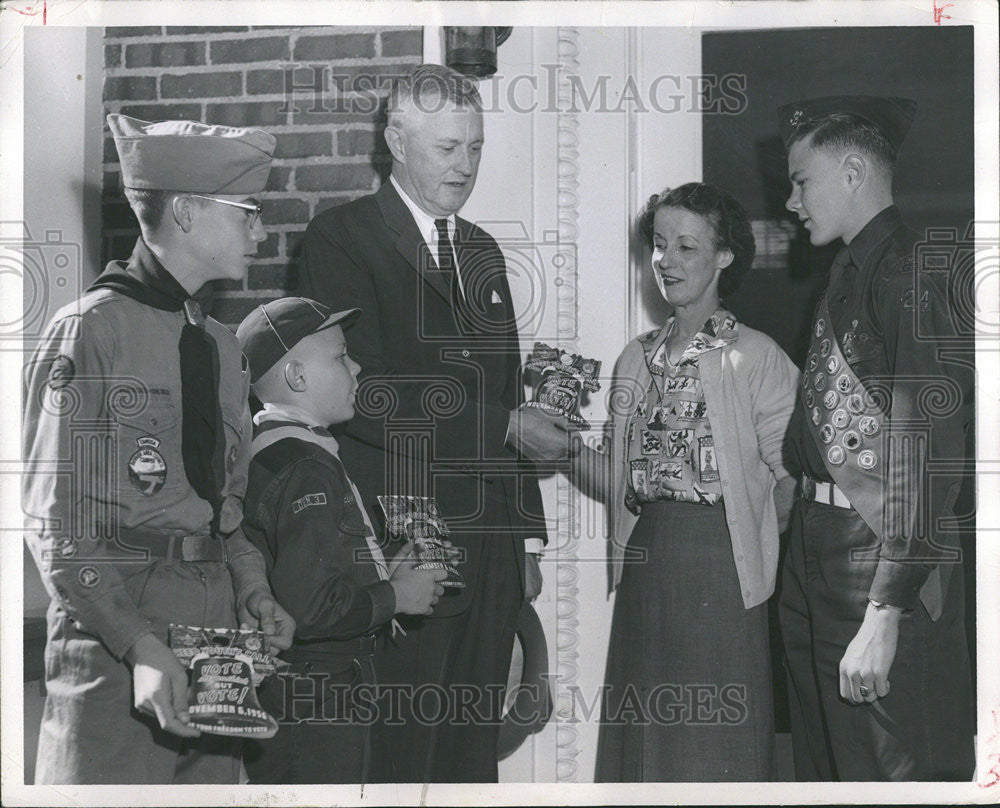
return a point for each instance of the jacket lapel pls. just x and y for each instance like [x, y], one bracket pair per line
[409, 243]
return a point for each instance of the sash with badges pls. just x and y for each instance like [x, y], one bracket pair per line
[845, 421]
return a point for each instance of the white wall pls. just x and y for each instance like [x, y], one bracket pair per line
[583, 175]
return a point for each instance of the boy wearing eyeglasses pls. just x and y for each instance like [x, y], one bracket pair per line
[136, 448]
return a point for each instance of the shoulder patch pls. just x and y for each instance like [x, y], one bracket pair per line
[319, 498]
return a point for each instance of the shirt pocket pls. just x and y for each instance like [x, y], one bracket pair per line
[148, 451]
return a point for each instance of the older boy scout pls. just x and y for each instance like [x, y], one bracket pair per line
[136, 446]
[872, 600]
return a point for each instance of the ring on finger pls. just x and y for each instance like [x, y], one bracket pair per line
[864, 691]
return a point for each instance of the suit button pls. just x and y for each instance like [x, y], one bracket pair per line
[465, 353]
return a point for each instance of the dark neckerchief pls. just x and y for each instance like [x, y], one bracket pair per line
[203, 446]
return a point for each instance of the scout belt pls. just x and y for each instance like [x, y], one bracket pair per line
[845, 421]
[171, 546]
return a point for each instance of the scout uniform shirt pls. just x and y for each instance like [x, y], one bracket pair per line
[890, 320]
[304, 514]
[103, 450]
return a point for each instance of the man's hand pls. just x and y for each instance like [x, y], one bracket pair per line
[160, 685]
[264, 612]
[532, 576]
[539, 436]
[784, 498]
[417, 591]
[869, 657]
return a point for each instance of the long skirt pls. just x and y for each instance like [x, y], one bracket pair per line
[687, 693]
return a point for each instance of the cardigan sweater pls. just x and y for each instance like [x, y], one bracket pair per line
[750, 388]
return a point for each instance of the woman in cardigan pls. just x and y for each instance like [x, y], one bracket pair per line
[699, 409]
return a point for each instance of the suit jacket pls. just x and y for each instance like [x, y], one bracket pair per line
[437, 386]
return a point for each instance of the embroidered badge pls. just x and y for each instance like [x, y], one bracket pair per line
[819, 381]
[61, 372]
[832, 365]
[820, 327]
[855, 404]
[831, 399]
[840, 419]
[868, 426]
[309, 500]
[66, 547]
[824, 348]
[88, 577]
[836, 455]
[813, 363]
[146, 468]
[810, 398]
[816, 416]
[827, 433]
[867, 459]
[652, 443]
[852, 440]
[679, 442]
[708, 469]
[845, 383]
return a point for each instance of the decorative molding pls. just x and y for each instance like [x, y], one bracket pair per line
[567, 322]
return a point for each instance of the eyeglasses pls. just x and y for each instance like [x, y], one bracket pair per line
[253, 211]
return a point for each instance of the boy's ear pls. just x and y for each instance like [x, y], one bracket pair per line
[295, 376]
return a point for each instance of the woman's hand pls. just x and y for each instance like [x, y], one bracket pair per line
[539, 436]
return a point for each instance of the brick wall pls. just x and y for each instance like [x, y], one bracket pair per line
[320, 91]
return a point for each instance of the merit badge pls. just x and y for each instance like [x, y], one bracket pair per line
[840, 419]
[816, 416]
[89, 577]
[813, 363]
[867, 459]
[231, 459]
[146, 468]
[836, 455]
[679, 442]
[868, 426]
[66, 547]
[832, 365]
[810, 398]
[639, 477]
[819, 381]
[852, 440]
[831, 399]
[820, 327]
[61, 372]
[845, 383]
[827, 433]
[855, 404]
[652, 443]
[824, 348]
[708, 468]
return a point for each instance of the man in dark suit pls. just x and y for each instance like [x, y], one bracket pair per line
[437, 416]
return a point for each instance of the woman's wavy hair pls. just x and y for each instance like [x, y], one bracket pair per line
[728, 218]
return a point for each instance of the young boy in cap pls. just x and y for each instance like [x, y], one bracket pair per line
[872, 600]
[323, 561]
[136, 444]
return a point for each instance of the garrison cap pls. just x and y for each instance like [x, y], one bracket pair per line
[271, 330]
[191, 157]
[892, 116]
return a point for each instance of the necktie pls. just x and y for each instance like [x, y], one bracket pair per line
[446, 263]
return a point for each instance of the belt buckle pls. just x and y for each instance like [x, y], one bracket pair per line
[808, 488]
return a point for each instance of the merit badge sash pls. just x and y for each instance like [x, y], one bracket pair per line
[845, 421]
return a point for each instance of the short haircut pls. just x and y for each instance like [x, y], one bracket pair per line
[843, 131]
[429, 88]
[729, 221]
[149, 205]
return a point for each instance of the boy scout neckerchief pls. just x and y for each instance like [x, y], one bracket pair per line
[145, 280]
